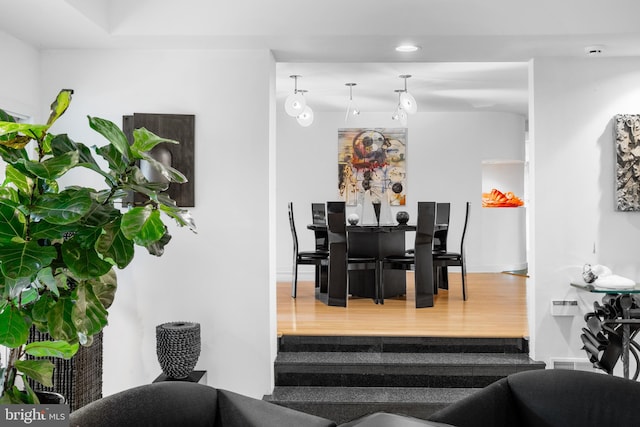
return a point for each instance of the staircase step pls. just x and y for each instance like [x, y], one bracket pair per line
[399, 344]
[343, 404]
[347, 369]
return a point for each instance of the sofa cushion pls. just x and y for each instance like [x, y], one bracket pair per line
[566, 398]
[383, 419]
[492, 406]
[170, 403]
[236, 410]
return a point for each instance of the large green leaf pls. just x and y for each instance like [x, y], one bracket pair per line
[59, 349]
[89, 315]
[23, 182]
[182, 216]
[104, 287]
[12, 222]
[113, 134]
[114, 158]
[63, 144]
[60, 105]
[39, 370]
[63, 208]
[24, 259]
[114, 246]
[83, 262]
[168, 172]
[54, 167]
[143, 225]
[14, 330]
[60, 320]
[145, 140]
[34, 131]
[48, 231]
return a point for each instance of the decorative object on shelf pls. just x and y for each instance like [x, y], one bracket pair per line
[178, 348]
[372, 160]
[353, 219]
[587, 274]
[61, 242]
[498, 199]
[627, 135]
[402, 217]
[352, 108]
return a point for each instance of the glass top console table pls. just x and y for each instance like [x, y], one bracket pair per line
[622, 310]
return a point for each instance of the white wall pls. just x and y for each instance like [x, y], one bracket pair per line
[19, 83]
[444, 163]
[572, 108]
[208, 277]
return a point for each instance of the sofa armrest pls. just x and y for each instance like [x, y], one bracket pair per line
[236, 410]
[491, 406]
[169, 403]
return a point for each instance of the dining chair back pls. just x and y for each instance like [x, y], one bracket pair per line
[443, 210]
[456, 259]
[319, 217]
[317, 258]
[420, 260]
[340, 263]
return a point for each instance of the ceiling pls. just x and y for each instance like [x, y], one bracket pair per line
[473, 53]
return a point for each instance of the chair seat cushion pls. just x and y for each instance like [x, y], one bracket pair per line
[313, 254]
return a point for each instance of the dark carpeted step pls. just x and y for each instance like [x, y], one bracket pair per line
[379, 344]
[340, 369]
[342, 404]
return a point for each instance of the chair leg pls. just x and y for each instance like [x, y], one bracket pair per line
[436, 279]
[463, 270]
[377, 284]
[294, 280]
[380, 271]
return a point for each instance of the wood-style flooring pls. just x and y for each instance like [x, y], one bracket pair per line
[495, 307]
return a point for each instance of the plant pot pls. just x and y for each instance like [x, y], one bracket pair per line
[50, 398]
[178, 348]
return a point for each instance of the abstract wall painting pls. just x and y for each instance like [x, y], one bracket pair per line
[627, 134]
[372, 160]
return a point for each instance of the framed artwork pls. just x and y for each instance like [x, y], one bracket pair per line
[372, 160]
[180, 127]
[627, 135]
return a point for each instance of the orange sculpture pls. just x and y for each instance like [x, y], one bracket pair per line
[497, 199]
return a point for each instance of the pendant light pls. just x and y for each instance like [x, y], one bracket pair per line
[352, 108]
[406, 99]
[399, 113]
[295, 103]
[305, 118]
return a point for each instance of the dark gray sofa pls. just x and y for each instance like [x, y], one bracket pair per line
[548, 398]
[176, 403]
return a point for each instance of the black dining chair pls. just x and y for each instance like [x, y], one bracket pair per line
[340, 262]
[420, 260]
[318, 258]
[455, 259]
[443, 210]
[319, 217]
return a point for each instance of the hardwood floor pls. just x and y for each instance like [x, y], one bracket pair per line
[496, 307]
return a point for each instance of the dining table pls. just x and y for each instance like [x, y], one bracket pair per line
[377, 241]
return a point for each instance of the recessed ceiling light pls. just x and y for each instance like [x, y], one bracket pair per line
[407, 48]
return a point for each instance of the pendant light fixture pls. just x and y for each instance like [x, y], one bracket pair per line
[352, 108]
[295, 103]
[399, 113]
[305, 118]
[406, 99]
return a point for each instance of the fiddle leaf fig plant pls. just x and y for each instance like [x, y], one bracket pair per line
[60, 246]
